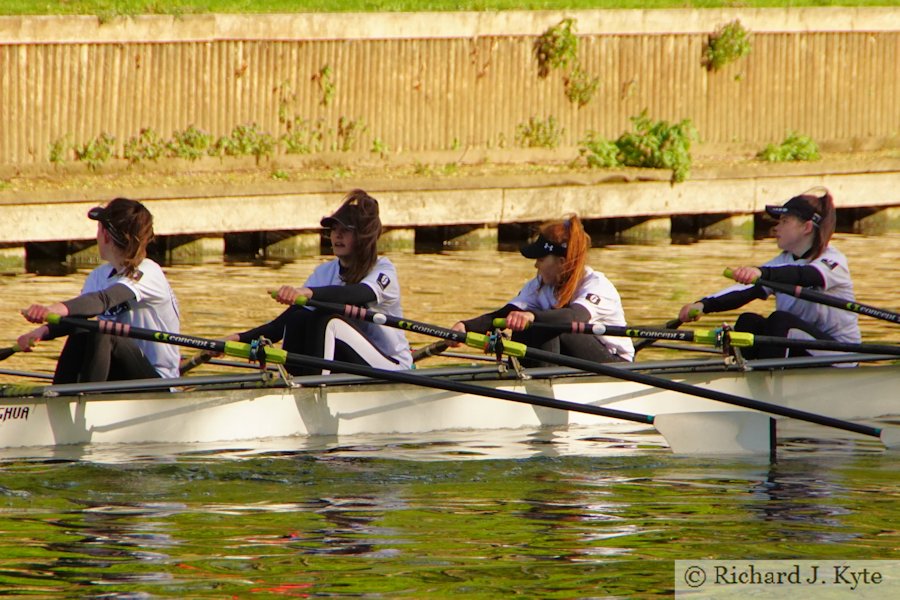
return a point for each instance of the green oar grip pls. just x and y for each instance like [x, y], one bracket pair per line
[53, 319]
[300, 301]
[500, 323]
[728, 273]
[740, 339]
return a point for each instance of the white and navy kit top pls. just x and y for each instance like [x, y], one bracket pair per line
[382, 279]
[595, 293]
[841, 325]
[154, 307]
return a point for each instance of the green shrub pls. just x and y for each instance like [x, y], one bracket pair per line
[190, 143]
[730, 43]
[246, 140]
[658, 145]
[556, 48]
[145, 146]
[795, 147]
[599, 151]
[304, 136]
[96, 151]
[537, 133]
[580, 87]
[59, 150]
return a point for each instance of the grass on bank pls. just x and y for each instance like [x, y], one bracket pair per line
[186, 7]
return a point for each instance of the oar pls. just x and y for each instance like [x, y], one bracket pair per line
[432, 349]
[7, 352]
[826, 299]
[889, 436]
[193, 362]
[716, 337]
[681, 439]
[673, 324]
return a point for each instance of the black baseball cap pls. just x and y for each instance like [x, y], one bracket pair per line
[798, 206]
[101, 214]
[542, 247]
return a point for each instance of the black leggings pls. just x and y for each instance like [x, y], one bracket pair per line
[329, 336]
[578, 345]
[778, 324]
[90, 356]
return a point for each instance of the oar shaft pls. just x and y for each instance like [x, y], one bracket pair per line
[830, 345]
[676, 386]
[827, 299]
[277, 356]
[521, 350]
[617, 330]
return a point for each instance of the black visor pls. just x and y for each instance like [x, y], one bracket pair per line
[542, 247]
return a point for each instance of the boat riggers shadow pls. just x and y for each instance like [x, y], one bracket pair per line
[827, 300]
[889, 436]
[719, 337]
[743, 433]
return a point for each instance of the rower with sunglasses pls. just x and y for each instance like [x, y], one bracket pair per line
[130, 289]
[803, 232]
[564, 290]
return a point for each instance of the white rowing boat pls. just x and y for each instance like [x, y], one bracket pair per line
[258, 405]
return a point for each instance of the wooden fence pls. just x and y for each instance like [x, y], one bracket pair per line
[833, 79]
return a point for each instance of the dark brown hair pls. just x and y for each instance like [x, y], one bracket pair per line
[360, 212]
[571, 232]
[823, 203]
[132, 224]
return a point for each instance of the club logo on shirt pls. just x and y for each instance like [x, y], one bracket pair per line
[829, 263]
[593, 298]
[383, 280]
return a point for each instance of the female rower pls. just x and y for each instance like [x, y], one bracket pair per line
[565, 289]
[129, 288]
[356, 276]
[803, 232]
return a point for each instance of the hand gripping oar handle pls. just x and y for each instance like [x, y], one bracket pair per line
[890, 437]
[278, 356]
[826, 299]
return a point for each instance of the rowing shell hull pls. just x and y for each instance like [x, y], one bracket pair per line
[863, 393]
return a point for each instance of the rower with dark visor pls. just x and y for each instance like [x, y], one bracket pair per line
[803, 233]
[130, 289]
[564, 290]
[356, 276]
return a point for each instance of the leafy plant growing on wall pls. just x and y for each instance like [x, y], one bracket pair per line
[729, 43]
[652, 144]
[147, 145]
[795, 147]
[246, 140]
[304, 136]
[97, 151]
[539, 133]
[348, 132]
[326, 85]
[59, 150]
[190, 143]
[557, 48]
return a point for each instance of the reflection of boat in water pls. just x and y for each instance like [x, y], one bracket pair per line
[261, 405]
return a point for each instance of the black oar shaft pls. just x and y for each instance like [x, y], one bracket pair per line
[826, 299]
[277, 356]
[613, 330]
[685, 388]
[521, 350]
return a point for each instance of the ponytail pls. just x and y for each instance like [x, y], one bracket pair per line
[571, 232]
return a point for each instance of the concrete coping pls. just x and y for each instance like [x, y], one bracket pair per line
[375, 26]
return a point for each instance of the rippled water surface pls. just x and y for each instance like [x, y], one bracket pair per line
[568, 513]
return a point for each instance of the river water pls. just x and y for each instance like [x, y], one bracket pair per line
[549, 514]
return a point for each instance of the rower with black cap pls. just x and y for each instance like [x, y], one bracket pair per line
[564, 290]
[803, 232]
[356, 276]
[130, 289]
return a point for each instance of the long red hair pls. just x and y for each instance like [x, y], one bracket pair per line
[821, 200]
[571, 232]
